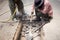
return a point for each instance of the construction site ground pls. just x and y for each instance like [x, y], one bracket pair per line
[8, 29]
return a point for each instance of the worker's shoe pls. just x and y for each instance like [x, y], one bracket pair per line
[13, 17]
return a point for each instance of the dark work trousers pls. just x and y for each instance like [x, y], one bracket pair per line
[12, 6]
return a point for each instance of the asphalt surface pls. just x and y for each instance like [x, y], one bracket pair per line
[52, 29]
